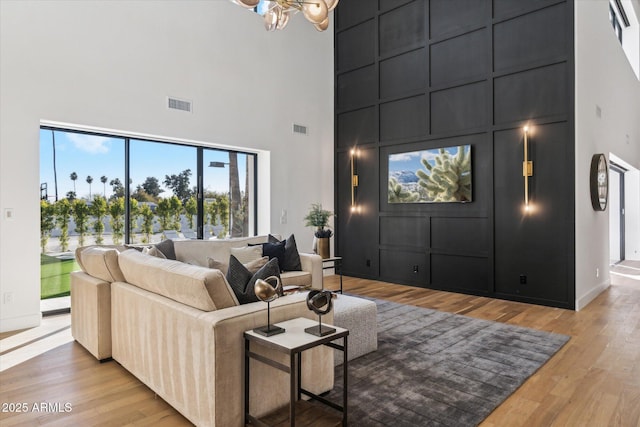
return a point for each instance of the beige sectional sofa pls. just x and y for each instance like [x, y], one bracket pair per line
[178, 328]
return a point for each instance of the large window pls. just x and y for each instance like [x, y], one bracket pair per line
[173, 191]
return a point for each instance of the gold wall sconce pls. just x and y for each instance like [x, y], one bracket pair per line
[354, 180]
[527, 167]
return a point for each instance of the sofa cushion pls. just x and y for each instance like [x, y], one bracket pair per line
[252, 266]
[166, 247]
[101, 263]
[296, 278]
[242, 281]
[291, 260]
[198, 287]
[197, 251]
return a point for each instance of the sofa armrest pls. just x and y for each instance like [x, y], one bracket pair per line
[91, 314]
[313, 264]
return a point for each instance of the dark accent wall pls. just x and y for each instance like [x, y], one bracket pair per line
[415, 75]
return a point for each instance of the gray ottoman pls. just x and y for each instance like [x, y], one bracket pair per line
[358, 315]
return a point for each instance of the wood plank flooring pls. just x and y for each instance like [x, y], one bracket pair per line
[593, 381]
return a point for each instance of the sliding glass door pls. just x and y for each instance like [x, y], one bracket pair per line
[111, 190]
[77, 203]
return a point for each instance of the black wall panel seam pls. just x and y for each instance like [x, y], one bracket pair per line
[538, 121]
[381, 58]
[347, 28]
[397, 6]
[529, 67]
[524, 12]
[356, 68]
[462, 32]
[457, 84]
[350, 70]
[480, 255]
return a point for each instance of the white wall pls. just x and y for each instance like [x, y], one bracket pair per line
[604, 79]
[111, 65]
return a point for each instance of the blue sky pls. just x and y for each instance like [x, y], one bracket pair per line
[97, 156]
[411, 161]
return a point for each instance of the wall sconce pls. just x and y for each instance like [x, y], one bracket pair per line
[527, 167]
[354, 180]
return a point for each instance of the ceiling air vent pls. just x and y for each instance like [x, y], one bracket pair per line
[302, 130]
[179, 104]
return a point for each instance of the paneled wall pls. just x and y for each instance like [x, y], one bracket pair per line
[416, 75]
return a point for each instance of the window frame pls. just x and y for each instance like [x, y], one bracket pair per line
[200, 148]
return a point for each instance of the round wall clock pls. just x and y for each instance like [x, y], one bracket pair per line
[599, 182]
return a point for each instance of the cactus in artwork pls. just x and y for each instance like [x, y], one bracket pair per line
[398, 194]
[449, 179]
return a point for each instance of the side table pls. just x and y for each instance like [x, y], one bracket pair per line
[335, 263]
[293, 342]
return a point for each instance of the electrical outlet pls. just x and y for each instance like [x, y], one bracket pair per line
[8, 214]
[415, 268]
[523, 279]
[368, 263]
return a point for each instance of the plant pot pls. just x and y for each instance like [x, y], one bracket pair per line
[324, 250]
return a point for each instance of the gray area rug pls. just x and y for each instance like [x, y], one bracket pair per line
[440, 369]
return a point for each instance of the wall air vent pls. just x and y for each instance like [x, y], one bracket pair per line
[302, 130]
[179, 104]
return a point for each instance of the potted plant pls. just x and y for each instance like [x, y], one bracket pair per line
[319, 218]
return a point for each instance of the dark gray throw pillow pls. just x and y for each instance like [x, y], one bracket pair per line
[242, 281]
[166, 247]
[291, 260]
[273, 250]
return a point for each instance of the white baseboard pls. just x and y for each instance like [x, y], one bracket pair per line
[21, 322]
[583, 301]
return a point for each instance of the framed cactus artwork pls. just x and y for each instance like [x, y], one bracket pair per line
[439, 175]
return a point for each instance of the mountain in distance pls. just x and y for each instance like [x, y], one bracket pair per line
[404, 177]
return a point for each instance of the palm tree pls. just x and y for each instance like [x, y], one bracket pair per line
[103, 180]
[89, 181]
[74, 177]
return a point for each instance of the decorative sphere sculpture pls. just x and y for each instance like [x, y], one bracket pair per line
[265, 291]
[320, 302]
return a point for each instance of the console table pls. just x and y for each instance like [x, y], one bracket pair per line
[293, 342]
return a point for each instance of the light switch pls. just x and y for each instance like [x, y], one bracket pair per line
[8, 214]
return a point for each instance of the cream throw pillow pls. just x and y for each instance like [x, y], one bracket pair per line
[247, 254]
[252, 266]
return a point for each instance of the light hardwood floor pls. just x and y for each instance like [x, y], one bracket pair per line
[594, 380]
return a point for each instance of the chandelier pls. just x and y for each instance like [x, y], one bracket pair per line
[276, 13]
